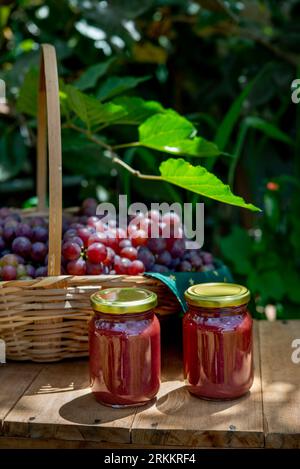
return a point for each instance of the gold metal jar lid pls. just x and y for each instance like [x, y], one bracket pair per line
[217, 295]
[123, 300]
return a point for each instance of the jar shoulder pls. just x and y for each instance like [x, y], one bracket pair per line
[219, 322]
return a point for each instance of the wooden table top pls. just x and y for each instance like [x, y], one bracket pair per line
[50, 405]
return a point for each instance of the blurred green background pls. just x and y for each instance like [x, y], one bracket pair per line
[226, 65]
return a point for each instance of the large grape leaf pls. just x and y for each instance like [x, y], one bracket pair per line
[197, 179]
[172, 133]
[92, 74]
[91, 111]
[137, 110]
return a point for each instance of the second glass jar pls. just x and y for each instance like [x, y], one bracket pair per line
[217, 341]
[124, 344]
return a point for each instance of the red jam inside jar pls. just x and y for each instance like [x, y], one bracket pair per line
[124, 345]
[217, 341]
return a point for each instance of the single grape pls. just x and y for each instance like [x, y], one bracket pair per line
[93, 269]
[164, 258]
[89, 207]
[4, 212]
[84, 234]
[109, 240]
[124, 243]
[185, 266]
[175, 263]
[146, 256]
[30, 270]
[129, 252]
[100, 227]
[77, 267]
[110, 255]
[71, 250]
[24, 229]
[96, 238]
[157, 245]
[9, 272]
[121, 265]
[21, 271]
[195, 259]
[41, 272]
[178, 248]
[21, 246]
[9, 259]
[20, 259]
[139, 238]
[93, 221]
[9, 233]
[207, 257]
[39, 233]
[136, 268]
[38, 221]
[77, 240]
[96, 253]
[38, 251]
[70, 233]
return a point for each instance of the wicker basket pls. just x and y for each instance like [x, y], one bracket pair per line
[46, 319]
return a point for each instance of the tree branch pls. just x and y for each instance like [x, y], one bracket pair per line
[111, 153]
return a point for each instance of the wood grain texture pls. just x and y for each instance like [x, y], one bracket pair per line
[14, 380]
[281, 384]
[30, 443]
[59, 405]
[177, 418]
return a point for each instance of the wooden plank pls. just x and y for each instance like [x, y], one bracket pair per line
[14, 380]
[281, 384]
[31, 443]
[59, 405]
[177, 418]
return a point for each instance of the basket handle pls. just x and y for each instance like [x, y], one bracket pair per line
[49, 127]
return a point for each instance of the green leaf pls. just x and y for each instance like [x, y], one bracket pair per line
[269, 284]
[226, 127]
[92, 74]
[90, 110]
[27, 100]
[115, 85]
[93, 165]
[137, 110]
[12, 156]
[197, 179]
[292, 281]
[268, 129]
[172, 133]
[237, 248]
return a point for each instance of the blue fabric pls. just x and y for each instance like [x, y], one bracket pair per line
[178, 282]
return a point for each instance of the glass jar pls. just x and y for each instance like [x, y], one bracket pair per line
[124, 345]
[217, 341]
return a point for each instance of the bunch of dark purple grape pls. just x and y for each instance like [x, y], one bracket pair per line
[91, 246]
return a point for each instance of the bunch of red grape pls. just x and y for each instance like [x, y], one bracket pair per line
[92, 246]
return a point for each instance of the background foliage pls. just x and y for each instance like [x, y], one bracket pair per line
[227, 66]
